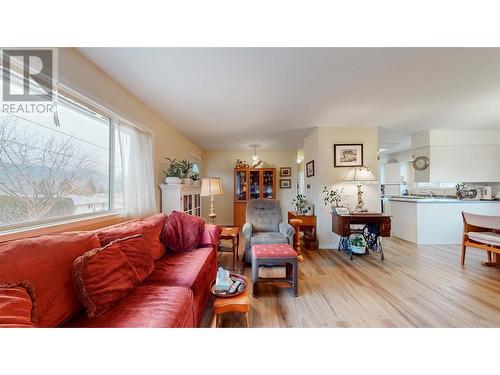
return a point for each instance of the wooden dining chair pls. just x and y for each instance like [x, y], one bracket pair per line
[482, 232]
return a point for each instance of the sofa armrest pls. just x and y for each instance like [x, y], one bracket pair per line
[211, 236]
[247, 230]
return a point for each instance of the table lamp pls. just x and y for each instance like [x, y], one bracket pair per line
[209, 187]
[360, 176]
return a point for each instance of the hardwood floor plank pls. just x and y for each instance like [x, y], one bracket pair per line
[415, 286]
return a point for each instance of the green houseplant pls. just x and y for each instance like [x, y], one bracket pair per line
[357, 244]
[301, 205]
[195, 177]
[333, 197]
[173, 172]
[185, 167]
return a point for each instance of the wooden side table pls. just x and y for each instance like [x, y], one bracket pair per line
[308, 226]
[239, 304]
[232, 234]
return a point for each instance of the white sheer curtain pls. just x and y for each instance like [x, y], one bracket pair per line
[136, 150]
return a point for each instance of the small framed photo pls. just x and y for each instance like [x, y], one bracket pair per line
[310, 169]
[285, 172]
[285, 183]
[347, 155]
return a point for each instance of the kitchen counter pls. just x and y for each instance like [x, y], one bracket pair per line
[435, 220]
[440, 200]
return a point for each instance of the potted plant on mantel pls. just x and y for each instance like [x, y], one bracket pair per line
[173, 172]
[185, 167]
[195, 177]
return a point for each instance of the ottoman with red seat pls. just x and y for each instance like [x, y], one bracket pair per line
[275, 255]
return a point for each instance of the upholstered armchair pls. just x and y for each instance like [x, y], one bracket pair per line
[264, 226]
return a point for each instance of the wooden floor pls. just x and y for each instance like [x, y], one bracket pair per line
[415, 286]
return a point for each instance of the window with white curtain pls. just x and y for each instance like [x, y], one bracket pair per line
[72, 164]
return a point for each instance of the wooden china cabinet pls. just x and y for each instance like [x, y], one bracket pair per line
[251, 183]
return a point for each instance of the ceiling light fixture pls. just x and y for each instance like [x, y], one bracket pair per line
[255, 157]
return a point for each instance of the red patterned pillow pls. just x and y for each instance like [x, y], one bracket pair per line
[182, 232]
[17, 305]
[104, 276]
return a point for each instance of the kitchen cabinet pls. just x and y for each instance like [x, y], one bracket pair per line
[458, 155]
[392, 173]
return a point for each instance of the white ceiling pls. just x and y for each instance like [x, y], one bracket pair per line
[233, 97]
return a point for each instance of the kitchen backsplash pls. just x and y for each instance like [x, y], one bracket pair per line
[495, 188]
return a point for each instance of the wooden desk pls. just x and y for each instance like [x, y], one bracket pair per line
[308, 226]
[375, 225]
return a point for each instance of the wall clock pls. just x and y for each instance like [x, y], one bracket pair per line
[420, 163]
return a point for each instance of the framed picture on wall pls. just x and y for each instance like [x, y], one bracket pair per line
[310, 169]
[348, 155]
[285, 183]
[285, 172]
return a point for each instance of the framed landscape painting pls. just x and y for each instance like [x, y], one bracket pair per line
[350, 155]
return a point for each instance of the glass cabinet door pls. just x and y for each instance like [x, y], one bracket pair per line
[267, 184]
[240, 191]
[197, 205]
[254, 185]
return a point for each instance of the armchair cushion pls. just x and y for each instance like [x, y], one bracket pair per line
[264, 215]
[268, 238]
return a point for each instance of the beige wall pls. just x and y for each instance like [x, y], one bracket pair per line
[81, 75]
[318, 146]
[220, 163]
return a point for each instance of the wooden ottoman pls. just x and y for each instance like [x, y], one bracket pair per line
[279, 255]
[239, 303]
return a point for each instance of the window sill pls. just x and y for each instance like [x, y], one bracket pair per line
[80, 224]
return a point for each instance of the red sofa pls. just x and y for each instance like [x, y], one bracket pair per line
[174, 295]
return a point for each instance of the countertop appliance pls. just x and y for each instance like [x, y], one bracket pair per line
[487, 194]
[464, 192]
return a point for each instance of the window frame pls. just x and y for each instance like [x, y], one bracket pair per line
[78, 99]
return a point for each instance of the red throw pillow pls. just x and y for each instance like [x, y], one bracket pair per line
[150, 227]
[182, 232]
[105, 275]
[17, 305]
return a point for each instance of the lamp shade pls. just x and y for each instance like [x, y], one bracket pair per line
[211, 186]
[360, 175]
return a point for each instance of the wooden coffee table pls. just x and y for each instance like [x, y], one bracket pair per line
[238, 304]
[232, 234]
